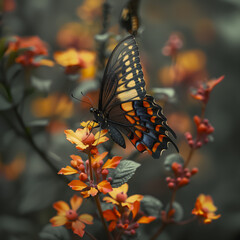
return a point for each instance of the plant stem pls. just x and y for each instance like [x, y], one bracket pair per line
[163, 226]
[97, 200]
[90, 235]
[189, 157]
[90, 166]
[203, 111]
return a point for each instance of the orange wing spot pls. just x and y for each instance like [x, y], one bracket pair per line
[127, 106]
[138, 123]
[146, 104]
[150, 111]
[155, 146]
[140, 147]
[137, 118]
[157, 128]
[141, 128]
[130, 119]
[160, 137]
[138, 133]
[153, 118]
[132, 113]
[134, 140]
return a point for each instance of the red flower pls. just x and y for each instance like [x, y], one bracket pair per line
[181, 176]
[69, 217]
[203, 92]
[31, 47]
[205, 209]
[126, 220]
[204, 129]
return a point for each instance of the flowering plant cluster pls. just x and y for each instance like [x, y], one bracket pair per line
[97, 192]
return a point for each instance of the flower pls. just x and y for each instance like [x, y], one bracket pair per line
[205, 209]
[31, 47]
[126, 220]
[88, 186]
[69, 217]
[119, 197]
[71, 59]
[173, 44]
[203, 92]
[181, 176]
[204, 129]
[85, 140]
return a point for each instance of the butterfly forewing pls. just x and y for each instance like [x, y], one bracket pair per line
[123, 78]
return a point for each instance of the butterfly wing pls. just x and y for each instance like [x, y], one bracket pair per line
[123, 78]
[144, 124]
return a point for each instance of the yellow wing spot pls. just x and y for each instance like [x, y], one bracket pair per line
[128, 106]
[129, 76]
[120, 75]
[133, 52]
[140, 80]
[125, 44]
[134, 59]
[131, 84]
[128, 69]
[127, 63]
[131, 94]
[135, 65]
[125, 58]
[121, 88]
[137, 71]
[130, 47]
[142, 89]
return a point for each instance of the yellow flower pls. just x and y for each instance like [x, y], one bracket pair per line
[119, 197]
[205, 209]
[69, 217]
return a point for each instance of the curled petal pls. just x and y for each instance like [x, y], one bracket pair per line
[86, 218]
[211, 84]
[68, 171]
[58, 221]
[110, 200]
[100, 138]
[133, 198]
[61, 207]
[121, 189]
[76, 137]
[76, 202]
[145, 219]
[136, 207]
[77, 185]
[99, 157]
[112, 163]
[78, 228]
[109, 215]
[104, 187]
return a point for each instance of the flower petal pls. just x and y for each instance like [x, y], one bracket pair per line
[145, 219]
[77, 185]
[211, 84]
[68, 171]
[133, 198]
[89, 124]
[76, 202]
[58, 221]
[99, 157]
[109, 215]
[110, 200]
[93, 191]
[112, 226]
[86, 218]
[112, 163]
[104, 187]
[61, 207]
[115, 191]
[136, 207]
[78, 228]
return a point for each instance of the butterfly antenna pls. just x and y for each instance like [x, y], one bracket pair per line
[90, 100]
[81, 100]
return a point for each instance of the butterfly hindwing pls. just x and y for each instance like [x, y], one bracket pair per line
[123, 78]
[144, 124]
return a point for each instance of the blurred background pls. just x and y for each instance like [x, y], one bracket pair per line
[210, 34]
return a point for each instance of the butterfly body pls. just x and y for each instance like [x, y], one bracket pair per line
[125, 108]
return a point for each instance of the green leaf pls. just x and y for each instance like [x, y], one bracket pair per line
[124, 171]
[54, 233]
[151, 206]
[171, 158]
[178, 215]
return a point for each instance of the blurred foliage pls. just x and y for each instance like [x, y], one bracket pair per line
[36, 106]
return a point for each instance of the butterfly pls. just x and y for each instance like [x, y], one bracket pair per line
[129, 17]
[125, 108]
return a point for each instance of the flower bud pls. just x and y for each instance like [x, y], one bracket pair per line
[194, 171]
[121, 197]
[83, 177]
[105, 172]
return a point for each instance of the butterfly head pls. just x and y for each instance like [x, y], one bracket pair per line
[99, 117]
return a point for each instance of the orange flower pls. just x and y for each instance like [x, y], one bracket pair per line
[205, 209]
[203, 92]
[125, 220]
[85, 140]
[32, 47]
[69, 217]
[119, 197]
[72, 60]
[86, 186]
